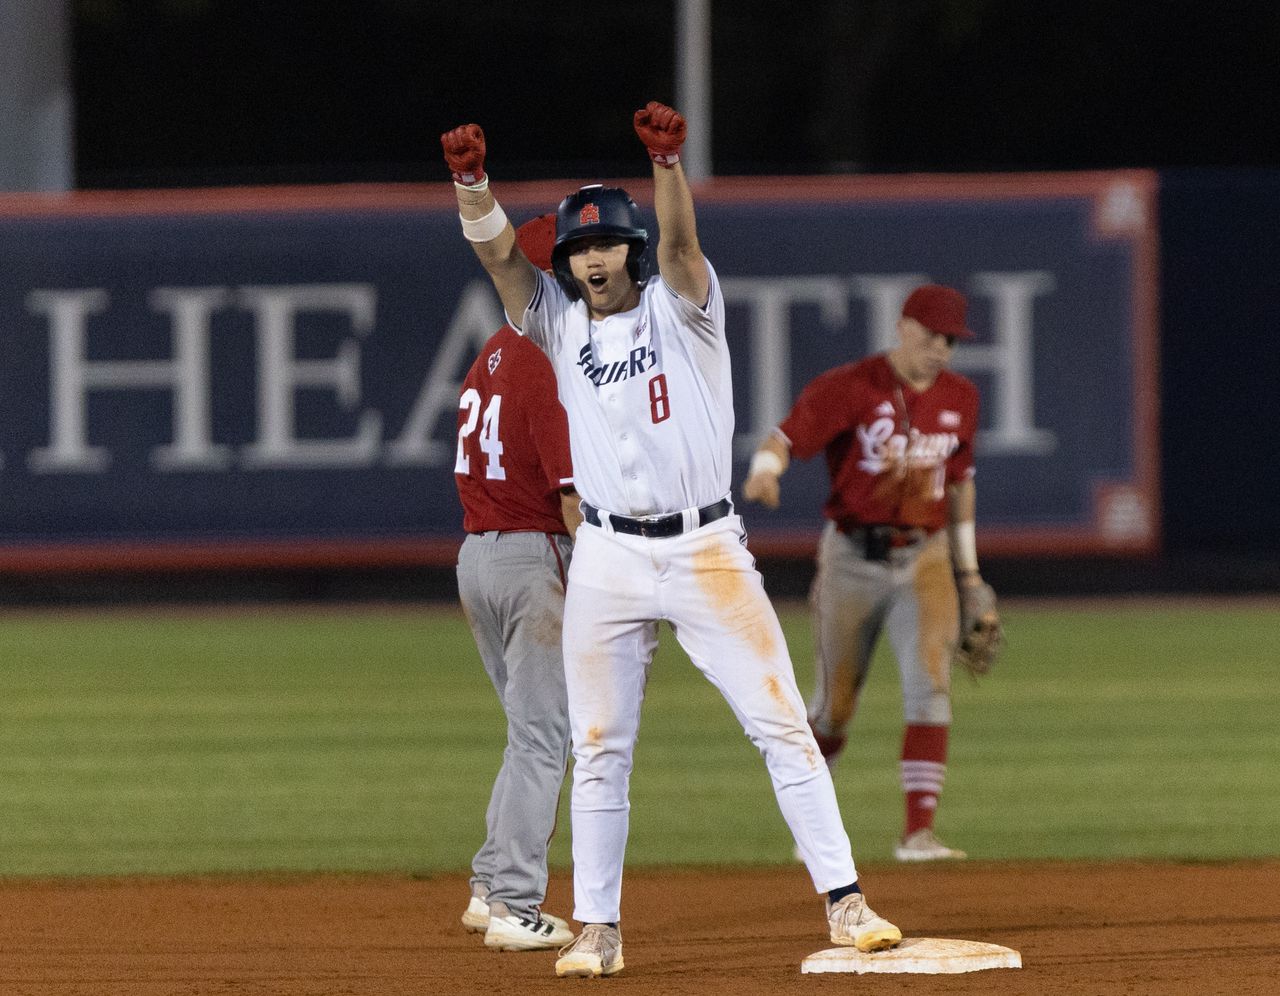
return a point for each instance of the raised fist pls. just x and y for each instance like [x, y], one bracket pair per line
[464, 152]
[662, 130]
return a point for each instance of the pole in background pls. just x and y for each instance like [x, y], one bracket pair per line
[35, 98]
[693, 84]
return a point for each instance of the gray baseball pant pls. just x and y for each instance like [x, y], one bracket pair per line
[912, 596]
[512, 591]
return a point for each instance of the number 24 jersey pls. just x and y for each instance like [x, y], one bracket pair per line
[513, 440]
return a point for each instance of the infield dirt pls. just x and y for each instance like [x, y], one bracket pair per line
[1098, 929]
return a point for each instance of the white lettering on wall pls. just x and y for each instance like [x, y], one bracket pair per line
[1005, 358]
[281, 375]
[884, 294]
[770, 303]
[1009, 360]
[193, 447]
[72, 376]
[478, 316]
[186, 375]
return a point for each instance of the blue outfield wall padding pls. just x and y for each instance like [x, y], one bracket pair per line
[270, 377]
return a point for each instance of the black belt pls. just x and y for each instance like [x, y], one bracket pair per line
[657, 526]
[879, 540]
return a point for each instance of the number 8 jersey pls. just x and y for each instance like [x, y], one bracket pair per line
[648, 393]
[513, 441]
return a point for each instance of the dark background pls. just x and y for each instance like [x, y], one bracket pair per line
[193, 92]
[174, 93]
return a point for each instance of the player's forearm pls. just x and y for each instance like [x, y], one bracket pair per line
[485, 226]
[680, 259]
[962, 504]
[773, 455]
[571, 511]
[484, 223]
[677, 220]
[767, 466]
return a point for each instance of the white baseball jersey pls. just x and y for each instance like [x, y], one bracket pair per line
[649, 396]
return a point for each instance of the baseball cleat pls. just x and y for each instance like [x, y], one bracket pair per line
[855, 924]
[512, 932]
[597, 951]
[924, 845]
[476, 917]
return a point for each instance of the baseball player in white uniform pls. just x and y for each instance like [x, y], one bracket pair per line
[644, 376]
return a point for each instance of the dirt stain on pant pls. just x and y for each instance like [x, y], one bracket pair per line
[545, 628]
[939, 612]
[590, 691]
[734, 597]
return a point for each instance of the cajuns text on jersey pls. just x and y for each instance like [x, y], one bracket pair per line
[890, 450]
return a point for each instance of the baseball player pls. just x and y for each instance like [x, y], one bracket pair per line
[897, 430]
[515, 480]
[643, 369]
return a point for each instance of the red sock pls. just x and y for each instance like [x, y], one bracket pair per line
[924, 766]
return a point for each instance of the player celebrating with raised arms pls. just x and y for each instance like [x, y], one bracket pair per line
[644, 376]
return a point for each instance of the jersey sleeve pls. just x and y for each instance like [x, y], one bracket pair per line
[705, 322]
[540, 321]
[818, 415]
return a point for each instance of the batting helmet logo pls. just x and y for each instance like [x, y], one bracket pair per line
[589, 215]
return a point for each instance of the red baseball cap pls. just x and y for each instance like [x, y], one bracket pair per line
[939, 309]
[536, 239]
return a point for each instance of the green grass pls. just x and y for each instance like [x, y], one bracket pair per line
[367, 740]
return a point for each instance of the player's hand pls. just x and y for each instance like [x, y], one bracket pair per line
[662, 129]
[464, 152]
[763, 487]
[981, 631]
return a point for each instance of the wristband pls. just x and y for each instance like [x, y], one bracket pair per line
[664, 159]
[479, 187]
[964, 547]
[765, 461]
[485, 229]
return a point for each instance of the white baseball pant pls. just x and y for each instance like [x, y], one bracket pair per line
[704, 582]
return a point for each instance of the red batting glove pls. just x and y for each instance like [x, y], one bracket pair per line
[662, 129]
[464, 152]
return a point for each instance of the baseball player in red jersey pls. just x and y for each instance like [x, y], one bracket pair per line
[897, 430]
[644, 374]
[515, 480]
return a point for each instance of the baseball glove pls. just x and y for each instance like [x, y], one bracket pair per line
[981, 635]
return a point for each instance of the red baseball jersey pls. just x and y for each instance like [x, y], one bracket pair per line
[513, 440]
[891, 450]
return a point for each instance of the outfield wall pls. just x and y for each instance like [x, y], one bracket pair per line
[245, 378]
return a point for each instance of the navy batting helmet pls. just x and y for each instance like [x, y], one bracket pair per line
[598, 210]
